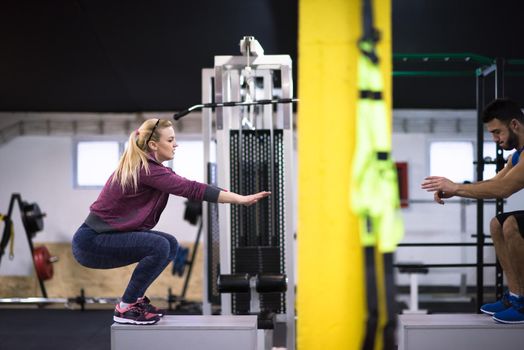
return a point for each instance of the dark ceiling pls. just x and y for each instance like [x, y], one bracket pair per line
[491, 28]
[128, 56]
[106, 55]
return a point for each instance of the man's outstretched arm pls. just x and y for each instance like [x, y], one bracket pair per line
[507, 182]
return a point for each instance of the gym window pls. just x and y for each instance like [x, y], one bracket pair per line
[452, 159]
[189, 159]
[94, 161]
[490, 150]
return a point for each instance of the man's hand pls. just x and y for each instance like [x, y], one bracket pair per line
[443, 187]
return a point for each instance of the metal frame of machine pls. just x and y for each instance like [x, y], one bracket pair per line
[247, 78]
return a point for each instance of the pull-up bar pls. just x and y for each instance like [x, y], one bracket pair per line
[463, 58]
[446, 57]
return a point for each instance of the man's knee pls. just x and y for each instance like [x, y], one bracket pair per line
[495, 228]
[510, 229]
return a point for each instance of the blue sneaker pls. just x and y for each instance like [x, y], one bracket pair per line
[515, 314]
[498, 306]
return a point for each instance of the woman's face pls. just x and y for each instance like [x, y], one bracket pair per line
[164, 148]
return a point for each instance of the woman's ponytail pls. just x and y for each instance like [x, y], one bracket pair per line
[136, 153]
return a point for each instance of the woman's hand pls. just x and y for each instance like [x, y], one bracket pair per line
[233, 198]
[253, 198]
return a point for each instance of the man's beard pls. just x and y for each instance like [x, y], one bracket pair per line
[513, 141]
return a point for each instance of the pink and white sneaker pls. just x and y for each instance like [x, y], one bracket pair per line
[134, 314]
[145, 303]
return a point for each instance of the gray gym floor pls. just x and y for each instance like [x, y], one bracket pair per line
[55, 329]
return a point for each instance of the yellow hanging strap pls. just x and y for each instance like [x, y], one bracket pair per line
[374, 193]
[375, 199]
[374, 190]
[7, 221]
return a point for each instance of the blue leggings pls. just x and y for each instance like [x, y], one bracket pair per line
[152, 250]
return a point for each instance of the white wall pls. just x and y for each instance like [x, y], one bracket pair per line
[40, 169]
[431, 222]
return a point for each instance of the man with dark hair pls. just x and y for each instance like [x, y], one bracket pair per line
[505, 121]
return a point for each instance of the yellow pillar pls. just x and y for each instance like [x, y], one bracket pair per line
[330, 295]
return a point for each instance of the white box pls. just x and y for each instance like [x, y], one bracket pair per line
[188, 333]
[458, 332]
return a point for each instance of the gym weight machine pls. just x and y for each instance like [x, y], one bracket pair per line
[248, 147]
[32, 220]
[193, 215]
